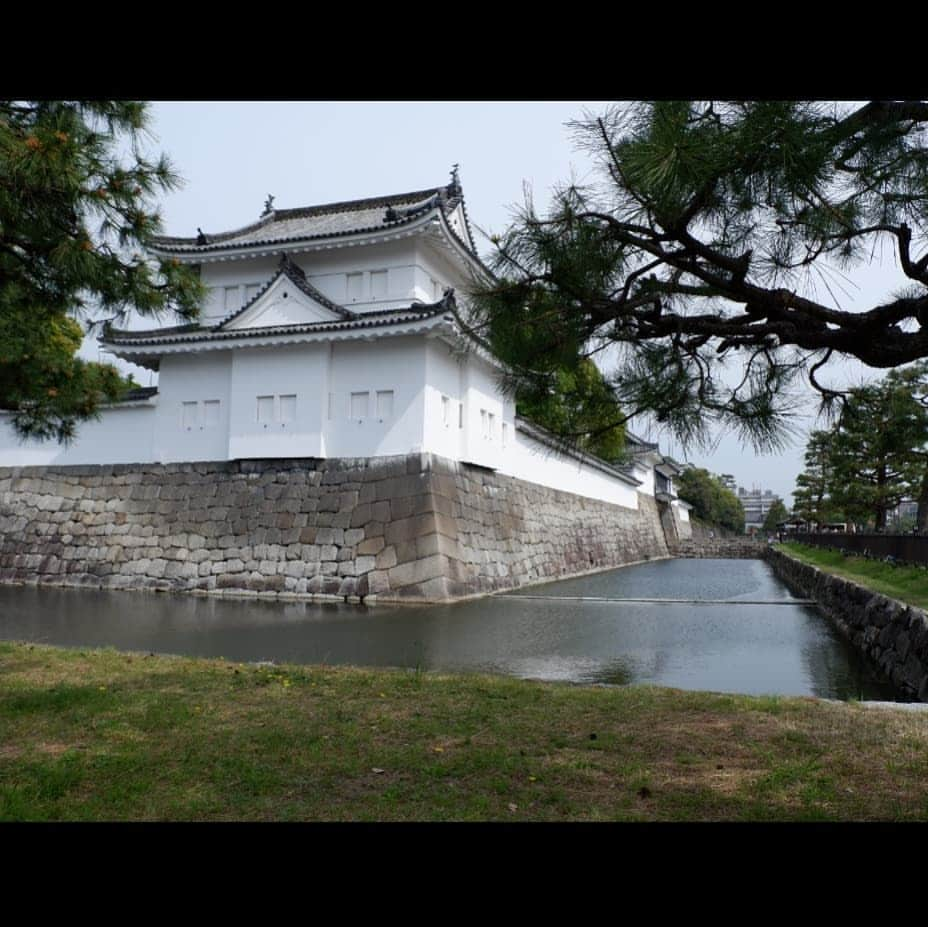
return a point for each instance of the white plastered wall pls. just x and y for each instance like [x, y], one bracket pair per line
[242, 274]
[387, 365]
[193, 433]
[535, 462]
[292, 382]
[443, 431]
[122, 435]
[389, 275]
[483, 414]
[644, 472]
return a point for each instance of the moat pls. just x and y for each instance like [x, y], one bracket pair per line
[749, 636]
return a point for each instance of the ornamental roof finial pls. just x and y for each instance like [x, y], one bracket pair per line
[454, 188]
[268, 205]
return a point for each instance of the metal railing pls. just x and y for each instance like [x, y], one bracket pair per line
[903, 548]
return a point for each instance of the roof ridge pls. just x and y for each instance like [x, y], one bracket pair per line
[299, 212]
[356, 205]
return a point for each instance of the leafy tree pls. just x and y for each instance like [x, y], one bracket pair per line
[715, 233]
[75, 215]
[811, 500]
[874, 450]
[712, 501]
[70, 387]
[580, 405]
[778, 513]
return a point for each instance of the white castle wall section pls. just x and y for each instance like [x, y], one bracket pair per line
[242, 278]
[645, 473]
[123, 434]
[434, 271]
[483, 414]
[188, 424]
[278, 401]
[376, 277]
[388, 366]
[443, 432]
[535, 462]
[384, 276]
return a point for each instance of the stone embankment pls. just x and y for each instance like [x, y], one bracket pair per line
[415, 527]
[892, 634]
[736, 548]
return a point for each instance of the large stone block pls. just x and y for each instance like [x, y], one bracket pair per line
[408, 529]
[417, 571]
[371, 546]
[353, 536]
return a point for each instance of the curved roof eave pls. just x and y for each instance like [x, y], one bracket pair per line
[462, 248]
[295, 244]
[421, 197]
[149, 354]
[421, 315]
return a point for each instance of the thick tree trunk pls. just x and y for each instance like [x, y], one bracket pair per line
[880, 519]
[881, 503]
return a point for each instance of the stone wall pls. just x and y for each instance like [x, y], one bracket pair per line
[892, 634]
[732, 548]
[703, 529]
[413, 527]
[675, 528]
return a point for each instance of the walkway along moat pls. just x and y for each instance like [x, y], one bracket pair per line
[748, 634]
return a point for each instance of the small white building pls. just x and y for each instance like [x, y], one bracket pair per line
[333, 331]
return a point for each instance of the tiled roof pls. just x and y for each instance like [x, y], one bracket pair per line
[640, 445]
[190, 333]
[332, 219]
[139, 393]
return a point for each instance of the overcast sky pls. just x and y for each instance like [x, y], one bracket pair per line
[232, 155]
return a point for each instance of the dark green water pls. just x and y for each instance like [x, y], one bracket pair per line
[786, 649]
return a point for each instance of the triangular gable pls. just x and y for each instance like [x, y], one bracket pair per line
[287, 299]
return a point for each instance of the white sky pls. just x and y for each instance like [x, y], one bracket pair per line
[232, 155]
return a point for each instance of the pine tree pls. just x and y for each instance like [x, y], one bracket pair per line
[75, 214]
[811, 501]
[875, 456]
[718, 232]
[581, 409]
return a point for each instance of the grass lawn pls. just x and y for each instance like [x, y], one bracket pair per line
[906, 583]
[101, 735]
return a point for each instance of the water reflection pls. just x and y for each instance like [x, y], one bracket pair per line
[785, 649]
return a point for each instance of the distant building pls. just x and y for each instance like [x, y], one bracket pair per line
[756, 504]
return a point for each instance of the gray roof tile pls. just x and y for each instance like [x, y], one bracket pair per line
[331, 219]
[188, 333]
